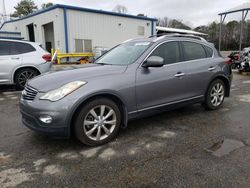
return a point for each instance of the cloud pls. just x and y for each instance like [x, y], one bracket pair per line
[194, 12]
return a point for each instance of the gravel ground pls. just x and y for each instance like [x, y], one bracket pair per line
[188, 147]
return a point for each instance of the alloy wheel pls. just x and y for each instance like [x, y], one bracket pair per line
[25, 76]
[99, 122]
[217, 94]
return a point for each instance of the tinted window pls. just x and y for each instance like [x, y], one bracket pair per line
[209, 51]
[15, 48]
[21, 48]
[169, 51]
[4, 48]
[193, 51]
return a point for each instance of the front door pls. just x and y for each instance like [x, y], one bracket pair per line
[161, 85]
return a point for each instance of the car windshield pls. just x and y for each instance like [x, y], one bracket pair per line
[124, 54]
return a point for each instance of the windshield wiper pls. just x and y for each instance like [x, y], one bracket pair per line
[100, 63]
[103, 63]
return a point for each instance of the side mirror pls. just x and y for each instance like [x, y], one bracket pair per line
[153, 61]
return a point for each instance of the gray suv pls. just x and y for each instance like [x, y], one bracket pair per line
[137, 78]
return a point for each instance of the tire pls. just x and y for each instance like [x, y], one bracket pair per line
[91, 119]
[214, 97]
[22, 76]
[233, 66]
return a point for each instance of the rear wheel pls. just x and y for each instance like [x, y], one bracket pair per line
[23, 75]
[233, 66]
[215, 95]
[97, 122]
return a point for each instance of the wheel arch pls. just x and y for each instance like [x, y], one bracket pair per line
[109, 95]
[24, 67]
[225, 81]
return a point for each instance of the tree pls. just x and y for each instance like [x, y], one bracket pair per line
[202, 29]
[120, 9]
[230, 37]
[24, 7]
[46, 5]
[163, 22]
[174, 23]
[178, 24]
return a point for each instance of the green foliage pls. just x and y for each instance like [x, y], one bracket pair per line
[230, 34]
[174, 23]
[24, 7]
[46, 5]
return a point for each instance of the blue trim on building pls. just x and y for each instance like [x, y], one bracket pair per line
[105, 12]
[66, 30]
[12, 38]
[152, 28]
[80, 9]
[9, 32]
[31, 15]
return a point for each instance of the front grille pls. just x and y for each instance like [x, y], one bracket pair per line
[29, 93]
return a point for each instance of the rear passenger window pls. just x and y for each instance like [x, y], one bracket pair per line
[4, 48]
[15, 48]
[169, 51]
[193, 51]
[21, 48]
[209, 51]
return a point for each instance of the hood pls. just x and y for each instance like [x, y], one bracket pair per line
[54, 80]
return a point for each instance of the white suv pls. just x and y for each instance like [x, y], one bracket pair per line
[21, 60]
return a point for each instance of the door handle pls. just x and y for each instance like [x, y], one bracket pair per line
[15, 58]
[179, 74]
[211, 68]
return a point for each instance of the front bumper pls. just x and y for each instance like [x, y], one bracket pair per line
[31, 111]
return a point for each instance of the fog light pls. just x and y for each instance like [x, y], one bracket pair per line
[46, 119]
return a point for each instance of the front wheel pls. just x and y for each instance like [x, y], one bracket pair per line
[215, 95]
[97, 122]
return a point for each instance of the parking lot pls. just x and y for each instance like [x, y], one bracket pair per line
[188, 147]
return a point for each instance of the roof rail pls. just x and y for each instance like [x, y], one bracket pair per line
[179, 35]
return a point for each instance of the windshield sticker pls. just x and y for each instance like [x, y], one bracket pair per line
[142, 44]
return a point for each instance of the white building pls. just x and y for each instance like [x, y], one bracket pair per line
[75, 29]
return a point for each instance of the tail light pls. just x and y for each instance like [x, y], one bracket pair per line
[47, 57]
[236, 57]
[228, 62]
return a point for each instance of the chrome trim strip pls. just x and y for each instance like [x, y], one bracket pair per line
[165, 104]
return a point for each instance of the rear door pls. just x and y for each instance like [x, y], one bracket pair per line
[25, 51]
[9, 60]
[200, 67]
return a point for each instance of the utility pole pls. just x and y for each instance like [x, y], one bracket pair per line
[4, 11]
[3, 16]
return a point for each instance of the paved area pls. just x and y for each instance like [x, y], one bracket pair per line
[189, 147]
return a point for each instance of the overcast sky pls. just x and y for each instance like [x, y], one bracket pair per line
[192, 12]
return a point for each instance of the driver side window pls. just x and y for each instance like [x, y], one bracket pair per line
[169, 51]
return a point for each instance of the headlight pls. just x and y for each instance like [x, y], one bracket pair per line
[57, 94]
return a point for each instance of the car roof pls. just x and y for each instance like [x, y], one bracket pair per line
[22, 41]
[178, 37]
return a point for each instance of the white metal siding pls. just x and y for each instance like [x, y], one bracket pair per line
[103, 30]
[39, 20]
